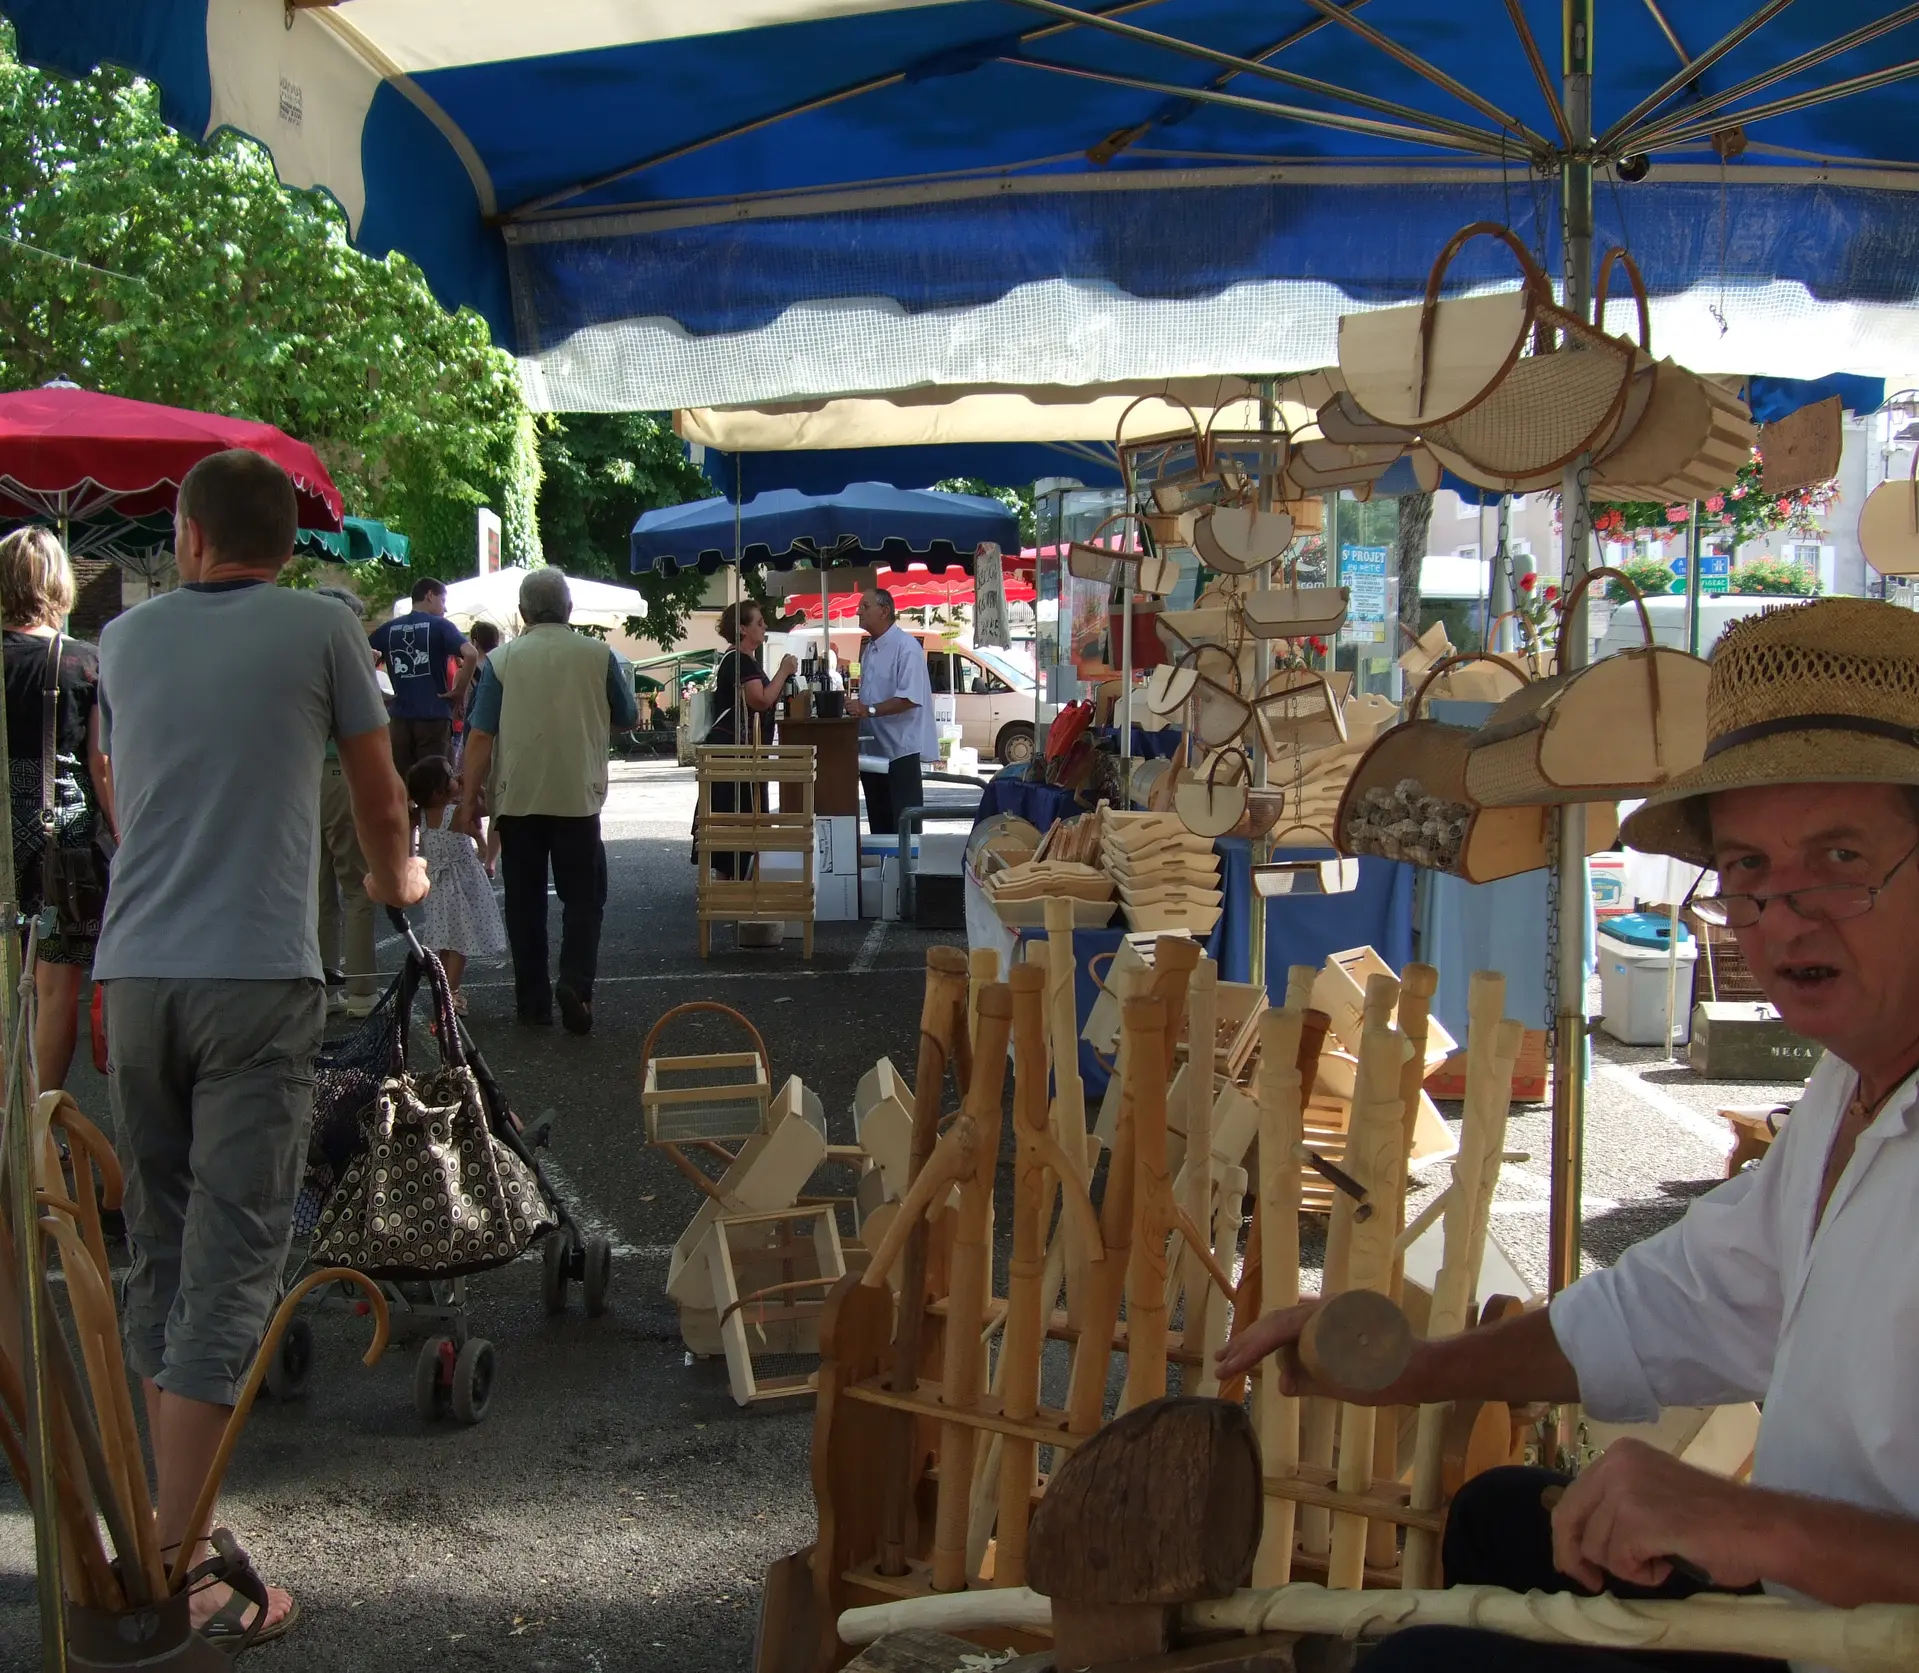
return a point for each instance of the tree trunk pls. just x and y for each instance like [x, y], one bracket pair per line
[1415, 520]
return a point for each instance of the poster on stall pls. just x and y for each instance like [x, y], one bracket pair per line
[1363, 570]
[990, 624]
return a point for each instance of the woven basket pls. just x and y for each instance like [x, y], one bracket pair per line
[1564, 399]
[1621, 727]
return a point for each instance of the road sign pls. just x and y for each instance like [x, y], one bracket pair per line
[1715, 571]
[1363, 570]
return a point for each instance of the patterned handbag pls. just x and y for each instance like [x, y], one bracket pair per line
[432, 1192]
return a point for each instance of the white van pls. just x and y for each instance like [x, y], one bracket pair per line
[1717, 612]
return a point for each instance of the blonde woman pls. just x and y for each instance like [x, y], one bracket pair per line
[36, 592]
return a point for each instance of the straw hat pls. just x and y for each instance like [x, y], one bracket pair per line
[1821, 693]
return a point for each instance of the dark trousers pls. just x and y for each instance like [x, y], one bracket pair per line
[529, 844]
[891, 793]
[419, 740]
[1499, 1534]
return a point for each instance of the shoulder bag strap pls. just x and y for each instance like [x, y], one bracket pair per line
[49, 728]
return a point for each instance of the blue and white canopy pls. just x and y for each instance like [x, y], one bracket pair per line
[701, 202]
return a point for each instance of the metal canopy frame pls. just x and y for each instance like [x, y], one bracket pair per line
[1649, 127]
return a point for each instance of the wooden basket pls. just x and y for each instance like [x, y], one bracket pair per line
[1564, 399]
[1889, 525]
[1490, 842]
[712, 1096]
[1318, 465]
[1343, 420]
[1691, 442]
[1621, 727]
[1210, 805]
[1296, 612]
[1297, 710]
[1087, 560]
[1240, 539]
[1429, 362]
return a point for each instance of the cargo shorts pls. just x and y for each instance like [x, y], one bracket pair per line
[211, 1086]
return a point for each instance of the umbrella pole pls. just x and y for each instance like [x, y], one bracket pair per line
[1566, 927]
[1262, 846]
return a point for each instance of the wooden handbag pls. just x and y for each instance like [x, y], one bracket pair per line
[1407, 800]
[1205, 482]
[1087, 560]
[1620, 727]
[1563, 399]
[1318, 465]
[1305, 877]
[1691, 442]
[1428, 362]
[1172, 683]
[1209, 805]
[1889, 525]
[1298, 710]
[1240, 539]
[1481, 677]
[1295, 612]
[1343, 420]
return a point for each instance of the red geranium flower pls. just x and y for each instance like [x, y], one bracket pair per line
[1528, 581]
[1552, 594]
[1676, 513]
[1319, 646]
[1716, 504]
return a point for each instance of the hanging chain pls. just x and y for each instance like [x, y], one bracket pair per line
[1578, 551]
[1552, 936]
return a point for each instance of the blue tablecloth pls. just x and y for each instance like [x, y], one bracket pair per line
[1041, 804]
[1303, 929]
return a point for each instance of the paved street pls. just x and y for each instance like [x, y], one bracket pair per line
[615, 1510]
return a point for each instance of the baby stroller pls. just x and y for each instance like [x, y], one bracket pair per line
[455, 1370]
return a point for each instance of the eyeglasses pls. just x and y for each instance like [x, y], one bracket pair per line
[1824, 903]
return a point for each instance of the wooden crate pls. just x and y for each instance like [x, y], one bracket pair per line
[758, 831]
[770, 1269]
[716, 1095]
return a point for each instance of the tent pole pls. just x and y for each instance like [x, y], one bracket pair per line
[1567, 914]
[1262, 847]
[1500, 598]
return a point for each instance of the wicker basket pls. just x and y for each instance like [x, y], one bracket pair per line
[1621, 727]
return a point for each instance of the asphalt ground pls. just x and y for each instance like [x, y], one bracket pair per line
[615, 1510]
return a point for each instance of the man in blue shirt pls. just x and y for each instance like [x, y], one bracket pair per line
[417, 649]
[896, 703]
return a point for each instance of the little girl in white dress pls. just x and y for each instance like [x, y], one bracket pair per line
[459, 919]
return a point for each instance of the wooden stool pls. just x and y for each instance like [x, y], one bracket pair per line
[1754, 1127]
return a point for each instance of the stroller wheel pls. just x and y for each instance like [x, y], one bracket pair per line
[473, 1380]
[430, 1377]
[292, 1363]
[556, 1261]
[598, 1276]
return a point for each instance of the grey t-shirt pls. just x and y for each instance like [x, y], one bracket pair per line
[216, 706]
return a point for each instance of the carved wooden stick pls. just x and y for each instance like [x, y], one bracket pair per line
[1282, 1103]
[1417, 985]
[1492, 1047]
[1069, 1091]
[1875, 1638]
[1143, 1024]
[940, 1013]
[1374, 1158]
[975, 1136]
[1199, 1171]
[1019, 1353]
[1228, 1211]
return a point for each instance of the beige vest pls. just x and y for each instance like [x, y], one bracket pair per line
[551, 750]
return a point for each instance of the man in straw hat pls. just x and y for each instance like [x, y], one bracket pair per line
[1795, 1283]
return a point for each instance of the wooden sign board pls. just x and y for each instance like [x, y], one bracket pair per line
[1802, 448]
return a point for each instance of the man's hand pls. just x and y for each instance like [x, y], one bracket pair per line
[855, 709]
[408, 889]
[1279, 1333]
[466, 817]
[1634, 1510]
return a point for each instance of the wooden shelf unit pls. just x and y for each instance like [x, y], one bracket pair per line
[756, 768]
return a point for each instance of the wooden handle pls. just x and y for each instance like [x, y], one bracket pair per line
[1618, 253]
[1537, 284]
[713, 1005]
[1446, 662]
[1359, 1341]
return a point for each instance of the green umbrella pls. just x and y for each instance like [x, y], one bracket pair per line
[362, 540]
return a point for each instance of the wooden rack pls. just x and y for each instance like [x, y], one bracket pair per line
[755, 831]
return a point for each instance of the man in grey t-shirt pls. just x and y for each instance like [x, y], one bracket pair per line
[218, 701]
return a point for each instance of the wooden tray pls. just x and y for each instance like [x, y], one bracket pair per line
[1031, 914]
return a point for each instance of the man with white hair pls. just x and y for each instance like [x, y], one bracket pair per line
[896, 701]
[547, 705]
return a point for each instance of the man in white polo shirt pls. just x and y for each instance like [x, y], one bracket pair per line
[896, 702]
[1794, 1283]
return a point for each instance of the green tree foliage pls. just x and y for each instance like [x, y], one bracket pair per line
[599, 472]
[1652, 576]
[145, 264]
[1018, 500]
[1779, 576]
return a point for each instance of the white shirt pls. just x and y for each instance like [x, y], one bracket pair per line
[1742, 1301]
[894, 665]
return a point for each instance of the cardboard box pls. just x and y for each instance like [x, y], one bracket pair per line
[835, 899]
[836, 846]
[1529, 1072]
[1741, 1040]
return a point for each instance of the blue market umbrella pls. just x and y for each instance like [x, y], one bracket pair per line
[865, 522]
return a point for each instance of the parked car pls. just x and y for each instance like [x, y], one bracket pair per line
[1717, 612]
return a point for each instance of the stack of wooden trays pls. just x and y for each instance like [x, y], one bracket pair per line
[1019, 894]
[1168, 878]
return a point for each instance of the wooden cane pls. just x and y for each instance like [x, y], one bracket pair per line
[1417, 985]
[196, 1528]
[940, 1015]
[1492, 1048]
[1229, 1211]
[1019, 1352]
[1069, 1090]
[1281, 1131]
[1143, 1023]
[1374, 1157]
[1199, 1171]
[976, 1134]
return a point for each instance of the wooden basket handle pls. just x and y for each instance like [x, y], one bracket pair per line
[1620, 254]
[1645, 625]
[1446, 662]
[1318, 678]
[1525, 626]
[714, 1006]
[1118, 553]
[1536, 281]
[1199, 431]
[1282, 437]
[1302, 825]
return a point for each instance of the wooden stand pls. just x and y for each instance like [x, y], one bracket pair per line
[754, 769]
